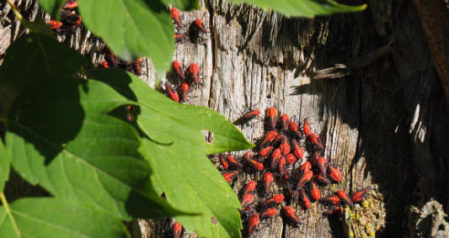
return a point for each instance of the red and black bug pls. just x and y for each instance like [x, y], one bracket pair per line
[320, 163]
[129, 117]
[359, 195]
[137, 66]
[177, 67]
[306, 127]
[314, 140]
[248, 155]
[255, 164]
[250, 187]
[331, 200]
[247, 200]
[283, 122]
[110, 58]
[223, 162]
[104, 65]
[70, 19]
[344, 197]
[291, 215]
[171, 92]
[111, 61]
[314, 191]
[252, 114]
[334, 173]
[275, 156]
[185, 87]
[271, 116]
[232, 162]
[278, 139]
[230, 176]
[194, 73]
[54, 25]
[199, 24]
[281, 165]
[70, 5]
[247, 117]
[176, 230]
[305, 199]
[269, 138]
[270, 213]
[264, 152]
[294, 130]
[175, 14]
[267, 182]
[305, 178]
[285, 146]
[179, 36]
[254, 221]
[306, 167]
[276, 199]
[322, 179]
[297, 149]
[291, 159]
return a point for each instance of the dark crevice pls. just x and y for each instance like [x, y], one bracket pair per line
[357, 154]
[284, 229]
[213, 39]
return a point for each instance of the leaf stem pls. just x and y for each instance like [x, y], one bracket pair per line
[16, 11]
[8, 211]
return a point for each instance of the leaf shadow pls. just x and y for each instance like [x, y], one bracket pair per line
[119, 80]
[46, 110]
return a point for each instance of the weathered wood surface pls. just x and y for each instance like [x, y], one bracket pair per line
[381, 116]
[373, 122]
[435, 22]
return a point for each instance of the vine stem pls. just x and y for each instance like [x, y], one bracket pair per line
[16, 11]
[8, 211]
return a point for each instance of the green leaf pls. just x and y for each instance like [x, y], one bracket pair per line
[36, 57]
[61, 137]
[39, 27]
[183, 5]
[51, 217]
[177, 150]
[52, 7]
[132, 28]
[4, 166]
[303, 8]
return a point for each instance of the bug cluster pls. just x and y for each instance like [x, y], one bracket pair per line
[196, 27]
[70, 18]
[280, 158]
[112, 61]
[185, 78]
